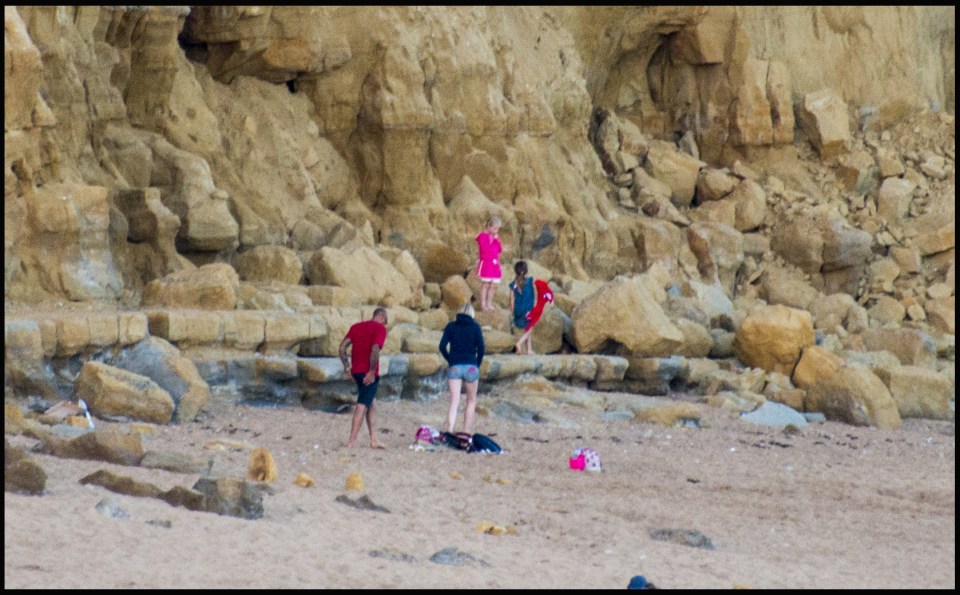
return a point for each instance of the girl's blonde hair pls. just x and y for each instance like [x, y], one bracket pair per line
[467, 309]
[494, 220]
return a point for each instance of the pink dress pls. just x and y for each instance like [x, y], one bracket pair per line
[489, 255]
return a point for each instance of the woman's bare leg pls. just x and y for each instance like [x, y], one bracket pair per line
[454, 385]
[471, 405]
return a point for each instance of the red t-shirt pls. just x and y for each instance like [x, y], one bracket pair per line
[363, 335]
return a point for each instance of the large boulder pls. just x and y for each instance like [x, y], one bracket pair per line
[112, 392]
[893, 199]
[677, 170]
[918, 392]
[363, 271]
[855, 395]
[773, 337]
[454, 292]
[269, 263]
[23, 362]
[815, 363]
[106, 443]
[912, 347]
[624, 311]
[785, 286]
[547, 336]
[407, 265]
[163, 363]
[846, 251]
[822, 115]
[830, 312]
[750, 203]
[941, 314]
[718, 249]
[21, 474]
[210, 287]
[714, 184]
[800, 242]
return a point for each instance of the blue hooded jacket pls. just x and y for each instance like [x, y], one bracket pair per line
[462, 342]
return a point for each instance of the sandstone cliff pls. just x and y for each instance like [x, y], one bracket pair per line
[751, 180]
[137, 136]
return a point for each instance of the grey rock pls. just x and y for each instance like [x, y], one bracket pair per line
[109, 507]
[775, 414]
[692, 538]
[452, 556]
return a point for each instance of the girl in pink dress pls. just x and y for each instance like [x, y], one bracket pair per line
[488, 267]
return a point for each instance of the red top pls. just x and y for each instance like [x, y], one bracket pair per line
[363, 335]
[544, 295]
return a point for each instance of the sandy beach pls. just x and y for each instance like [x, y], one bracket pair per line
[830, 506]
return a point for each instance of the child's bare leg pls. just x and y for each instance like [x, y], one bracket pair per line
[518, 347]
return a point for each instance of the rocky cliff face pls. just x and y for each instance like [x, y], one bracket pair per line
[748, 203]
[140, 141]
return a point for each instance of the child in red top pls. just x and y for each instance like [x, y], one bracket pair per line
[544, 297]
[488, 266]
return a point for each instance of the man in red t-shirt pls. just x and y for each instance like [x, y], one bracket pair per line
[367, 339]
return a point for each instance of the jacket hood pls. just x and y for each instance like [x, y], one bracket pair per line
[464, 319]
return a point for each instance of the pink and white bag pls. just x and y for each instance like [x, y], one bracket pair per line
[585, 459]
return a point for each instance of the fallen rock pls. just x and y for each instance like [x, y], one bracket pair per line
[211, 287]
[773, 337]
[918, 392]
[114, 392]
[21, 474]
[775, 414]
[854, 394]
[104, 444]
[822, 115]
[646, 332]
[261, 466]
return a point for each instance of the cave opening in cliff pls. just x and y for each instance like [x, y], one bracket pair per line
[194, 50]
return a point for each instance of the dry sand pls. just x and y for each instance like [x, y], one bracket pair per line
[834, 506]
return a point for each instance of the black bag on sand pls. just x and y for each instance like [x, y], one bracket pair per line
[460, 440]
[482, 443]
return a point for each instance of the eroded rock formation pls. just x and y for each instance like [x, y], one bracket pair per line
[205, 162]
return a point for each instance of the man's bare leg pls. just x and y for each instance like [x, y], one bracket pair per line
[373, 438]
[358, 413]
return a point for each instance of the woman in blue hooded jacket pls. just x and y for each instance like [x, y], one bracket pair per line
[462, 346]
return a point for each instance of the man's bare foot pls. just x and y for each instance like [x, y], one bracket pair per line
[377, 445]
[350, 445]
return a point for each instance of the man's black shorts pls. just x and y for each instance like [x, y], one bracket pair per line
[366, 393]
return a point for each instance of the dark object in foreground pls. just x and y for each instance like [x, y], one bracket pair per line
[640, 582]
[470, 442]
[363, 503]
[683, 537]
